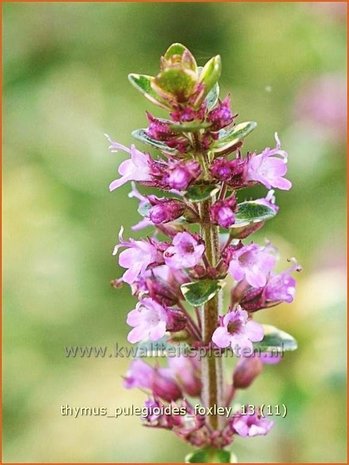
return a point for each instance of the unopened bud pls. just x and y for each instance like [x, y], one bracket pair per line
[176, 320]
[165, 211]
[165, 387]
[246, 371]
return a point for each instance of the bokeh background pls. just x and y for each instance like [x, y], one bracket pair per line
[65, 84]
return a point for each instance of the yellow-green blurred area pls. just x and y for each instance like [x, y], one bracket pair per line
[65, 85]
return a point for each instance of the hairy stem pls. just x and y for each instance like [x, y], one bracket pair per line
[212, 373]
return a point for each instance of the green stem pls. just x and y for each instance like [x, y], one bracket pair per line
[212, 372]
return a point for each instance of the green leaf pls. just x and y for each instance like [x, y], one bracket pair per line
[252, 212]
[275, 340]
[229, 138]
[209, 455]
[179, 54]
[142, 83]
[190, 126]
[212, 97]
[199, 292]
[142, 135]
[200, 192]
[211, 73]
[174, 49]
[175, 82]
[241, 232]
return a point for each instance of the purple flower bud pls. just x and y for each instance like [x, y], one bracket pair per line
[222, 115]
[159, 380]
[187, 371]
[176, 320]
[253, 299]
[246, 371]
[165, 386]
[187, 114]
[160, 291]
[221, 169]
[184, 115]
[222, 212]
[230, 171]
[179, 175]
[165, 210]
[158, 129]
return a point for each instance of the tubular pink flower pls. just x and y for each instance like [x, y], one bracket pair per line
[185, 251]
[137, 168]
[251, 425]
[269, 167]
[238, 332]
[137, 257]
[252, 263]
[282, 287]
[148, 320]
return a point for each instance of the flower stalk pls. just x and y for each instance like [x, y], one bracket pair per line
[212, 370]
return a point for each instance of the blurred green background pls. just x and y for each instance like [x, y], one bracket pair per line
[65, 84]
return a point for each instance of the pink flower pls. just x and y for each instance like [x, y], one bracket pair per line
[139, 375]
[148, 320]
[252, 263]
[185, 251]
[269, 167]
[282, 287]
[162, 284]
[238, 332]
[159, 380]
[279, 288]
[222, 212]
[137, 168]
[187, 370]
[137, 257]
[251, 425]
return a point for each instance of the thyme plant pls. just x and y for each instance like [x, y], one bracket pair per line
[200, 240]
